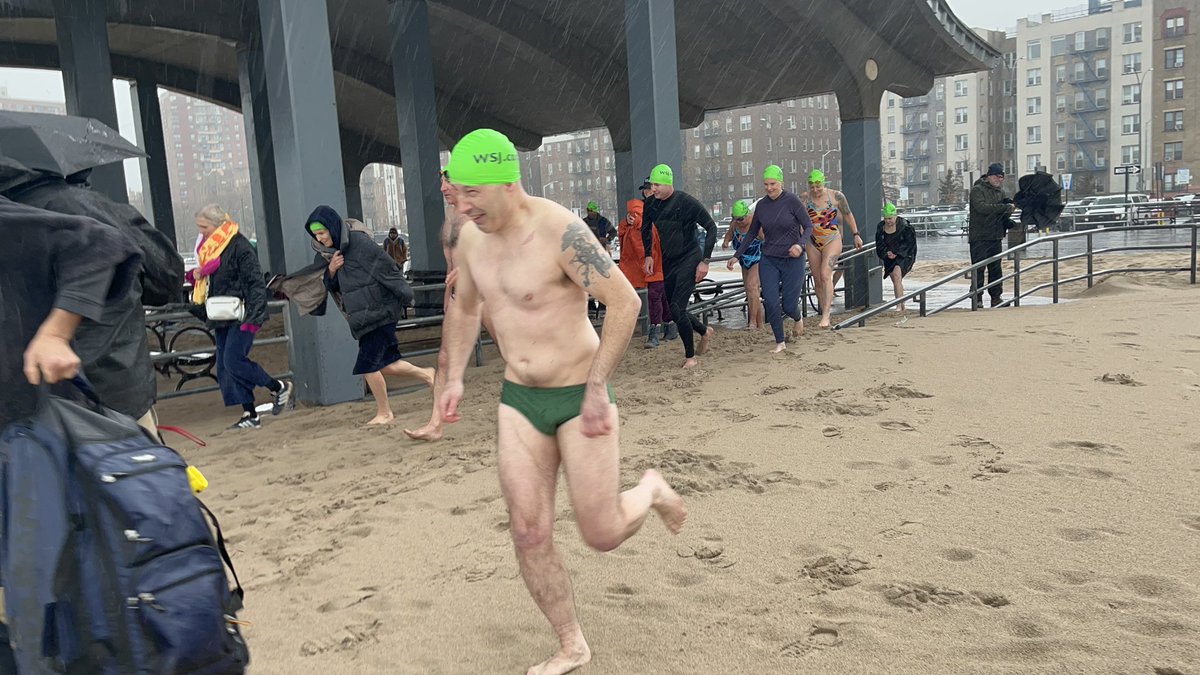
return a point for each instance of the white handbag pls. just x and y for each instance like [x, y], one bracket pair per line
[225, 308]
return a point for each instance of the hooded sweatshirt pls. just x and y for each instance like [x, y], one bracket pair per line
[374, 292]
[633, 249]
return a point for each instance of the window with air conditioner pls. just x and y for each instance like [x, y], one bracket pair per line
[1173, 151]
[1060, 132]
[1131, 154]
[939, 119]
[1173, 120]
[1173, 58]
[1060, 103]
[940, 144]
[1060, 74]
[1101, 158]
[1131, 63]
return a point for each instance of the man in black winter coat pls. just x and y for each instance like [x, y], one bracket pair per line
[113, 346]
[372, 293]
[989, 221]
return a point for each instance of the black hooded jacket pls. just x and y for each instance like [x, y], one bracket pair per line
[374, 292]
[1039, 198]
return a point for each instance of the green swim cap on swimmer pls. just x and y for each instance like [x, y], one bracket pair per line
[773, 172]
[816, 176]
[316, 227]
[593, 206]
[662, 175]
[889, 210]
[484, 157]
[740, 210]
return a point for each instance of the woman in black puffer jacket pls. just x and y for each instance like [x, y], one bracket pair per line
[372, 293]
[231, 269]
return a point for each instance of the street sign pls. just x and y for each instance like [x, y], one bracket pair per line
[1066, 181]
[1127, 169]
[1183, 176]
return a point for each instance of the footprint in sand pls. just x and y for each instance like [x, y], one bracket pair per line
[905, 529]
[822, 368]
[958, 554]
[830, 432]
[896, 425]
[835, 572]
[895, 391]
[938, 460]
[620, 591]
[1191, 522]
[1091, 447]
[974, 442]
[820, 636]
[1119, 378]
[775, 389]
[349, 638]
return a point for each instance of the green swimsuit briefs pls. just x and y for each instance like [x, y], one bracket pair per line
[547, 408]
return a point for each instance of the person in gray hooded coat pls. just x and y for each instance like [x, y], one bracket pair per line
[372, 293]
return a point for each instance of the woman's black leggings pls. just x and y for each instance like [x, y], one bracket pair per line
[679, 280]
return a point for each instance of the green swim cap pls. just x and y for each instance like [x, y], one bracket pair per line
[316, 227]
[816, 176]
[593, 206]
[662, 175]
[889, 210]
[740, 210]
[773, 172]
[484, 157]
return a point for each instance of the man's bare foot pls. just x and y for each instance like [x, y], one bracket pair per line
[780, 346]
[666, 501]
[427, 375]
[798, 329]
[691, 363]
[381, 419]
[429, 432]
[824, 322]
[566, 660]
[704, 340]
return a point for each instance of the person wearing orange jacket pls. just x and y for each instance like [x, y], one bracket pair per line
[633, 255]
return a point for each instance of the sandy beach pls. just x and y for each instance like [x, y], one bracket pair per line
[1007, 491]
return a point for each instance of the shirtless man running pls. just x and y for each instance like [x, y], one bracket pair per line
[534, 263]
[451, 227]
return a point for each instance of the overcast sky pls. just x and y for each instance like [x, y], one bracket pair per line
[1003, 14]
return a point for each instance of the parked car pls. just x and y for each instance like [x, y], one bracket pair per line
[1112, 210]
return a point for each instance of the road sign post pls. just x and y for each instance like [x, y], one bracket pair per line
[1127, 170]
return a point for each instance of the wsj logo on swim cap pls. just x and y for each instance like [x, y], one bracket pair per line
[495, 158]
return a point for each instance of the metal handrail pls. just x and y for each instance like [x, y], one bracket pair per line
[1054, 261]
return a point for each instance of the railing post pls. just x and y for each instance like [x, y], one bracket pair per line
[922, 304]
[1055, 280]
[974, 290]
[1017, 278]
[1192, 272]
[1089, 259]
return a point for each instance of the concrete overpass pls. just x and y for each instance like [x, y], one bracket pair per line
[394, 80]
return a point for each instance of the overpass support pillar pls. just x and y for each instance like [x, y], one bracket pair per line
[627, 179]
[260, 152]
[297, 55]
[653, 87]
[83, 55]
[156, 180]
[416, 113]
[862, 183]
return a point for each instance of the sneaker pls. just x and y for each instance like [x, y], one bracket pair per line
[652, 339]
[283, 398]
[996, 300]
[247, 421]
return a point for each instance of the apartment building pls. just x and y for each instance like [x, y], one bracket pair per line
[934, 146]
[1175, 122]
[1080, 79]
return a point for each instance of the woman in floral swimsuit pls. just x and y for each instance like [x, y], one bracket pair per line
[826, 209]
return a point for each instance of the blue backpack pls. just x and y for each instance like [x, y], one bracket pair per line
[106, 558]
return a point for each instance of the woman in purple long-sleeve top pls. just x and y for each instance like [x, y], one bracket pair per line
[783, 219]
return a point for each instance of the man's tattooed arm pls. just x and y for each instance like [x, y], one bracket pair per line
[588, 256]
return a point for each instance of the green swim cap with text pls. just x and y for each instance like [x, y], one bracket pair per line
[662, 175]
[484, 157]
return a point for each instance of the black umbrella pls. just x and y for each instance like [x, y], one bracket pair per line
[59, 144]
[1039, 198]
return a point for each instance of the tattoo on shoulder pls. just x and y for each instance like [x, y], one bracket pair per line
[840, 198]
[588, 257]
